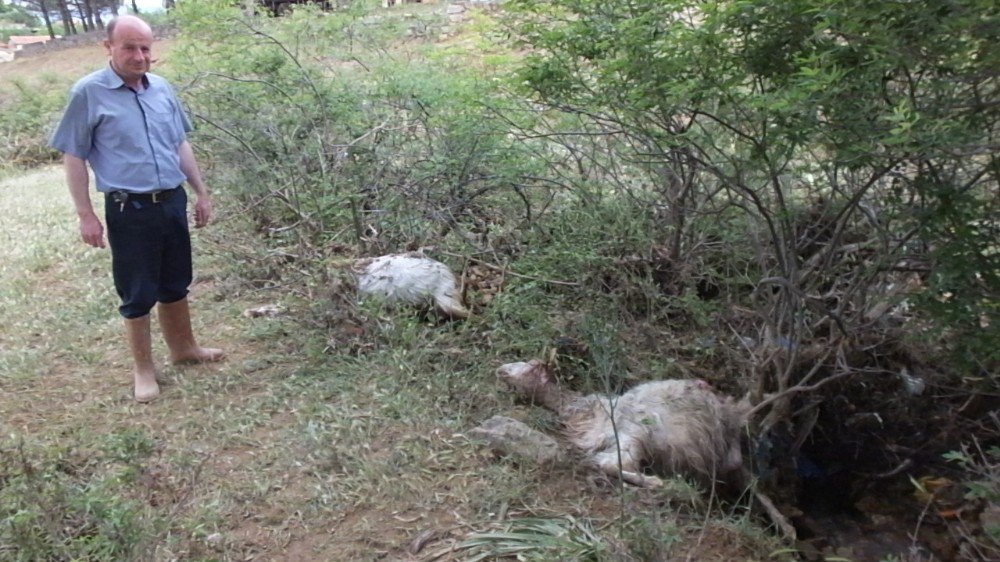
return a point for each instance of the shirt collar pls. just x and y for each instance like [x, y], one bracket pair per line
[110, 79]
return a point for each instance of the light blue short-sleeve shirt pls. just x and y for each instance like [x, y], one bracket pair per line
[130, 139]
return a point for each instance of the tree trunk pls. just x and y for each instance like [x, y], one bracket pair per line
[45, 16]
[81, 14]
[135, 9]
[88, 7]
[64, 17]
[67, 18]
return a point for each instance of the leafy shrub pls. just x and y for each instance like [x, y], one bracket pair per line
[982, 467]
[846, 174]
[352, 141]
[17, 14]
[26, 120]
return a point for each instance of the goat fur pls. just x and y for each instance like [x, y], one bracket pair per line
[670, 426]
[412, 279]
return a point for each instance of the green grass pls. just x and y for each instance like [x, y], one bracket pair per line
[347, 452]
[333, 432]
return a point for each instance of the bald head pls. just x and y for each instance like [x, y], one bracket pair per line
[130, 45]
[127, 22]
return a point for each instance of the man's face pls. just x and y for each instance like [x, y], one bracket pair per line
[131, 51]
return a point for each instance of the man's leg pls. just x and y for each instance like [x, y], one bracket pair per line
[175, 321]
[176, 274]
[132, 269]
[140, 342]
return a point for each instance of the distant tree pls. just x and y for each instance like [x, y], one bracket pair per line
[17, 14]
[42, 7]
[45, 9]
[68, 24]
[104, 8]
[89, 13]
[84, 14]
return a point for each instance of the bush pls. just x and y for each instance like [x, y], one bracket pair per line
[982, 467]
[26, 120]
[353, 142]
[850, 177]
[18, 15]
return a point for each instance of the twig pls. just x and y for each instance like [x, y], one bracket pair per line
[906, 464]
[506, 271]
[796, 389]
[779, 519]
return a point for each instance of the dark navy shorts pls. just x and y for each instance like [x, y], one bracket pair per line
[150, 251]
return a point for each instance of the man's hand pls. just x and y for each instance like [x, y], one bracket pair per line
[203, 211]
[92, 231]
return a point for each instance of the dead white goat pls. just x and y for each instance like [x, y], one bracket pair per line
[412, 279]
[669, 426]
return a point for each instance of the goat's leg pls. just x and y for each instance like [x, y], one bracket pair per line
[641, 480]
[631, 465]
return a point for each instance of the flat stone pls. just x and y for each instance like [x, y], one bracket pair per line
[508, 437]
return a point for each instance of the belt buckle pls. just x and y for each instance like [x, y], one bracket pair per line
[155, 196]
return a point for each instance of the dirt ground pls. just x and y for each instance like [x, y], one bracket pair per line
[287, 450]
[264, 456]
[68, 64]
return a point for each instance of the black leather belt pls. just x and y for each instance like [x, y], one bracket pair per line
[148, 197]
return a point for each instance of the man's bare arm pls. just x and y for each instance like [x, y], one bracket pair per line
[78, 180]
[189, 165]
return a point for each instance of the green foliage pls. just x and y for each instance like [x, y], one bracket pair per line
[351, 141]
[983, 469]
[964, 286]
[985, 466]
[26, 119]
[536, 539]
[651, 537]
[54, 505]
[6, 32]
[828, 126]
[130, 447]
[17, 14]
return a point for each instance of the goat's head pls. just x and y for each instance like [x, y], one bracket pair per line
[531, 380]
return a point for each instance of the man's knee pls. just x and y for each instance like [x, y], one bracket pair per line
[134, 309]
[170, 297]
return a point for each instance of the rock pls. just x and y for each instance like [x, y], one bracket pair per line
[508, 437]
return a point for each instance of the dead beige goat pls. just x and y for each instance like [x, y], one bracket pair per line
[669, 426]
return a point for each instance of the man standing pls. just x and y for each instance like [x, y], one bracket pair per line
[127, 124]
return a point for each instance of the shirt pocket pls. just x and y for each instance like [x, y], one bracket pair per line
[162, 117]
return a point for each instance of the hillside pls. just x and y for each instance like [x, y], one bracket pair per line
[275, 454]
[64, 66]
[618, 239]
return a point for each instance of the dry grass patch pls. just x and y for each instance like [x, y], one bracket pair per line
[67, 65]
